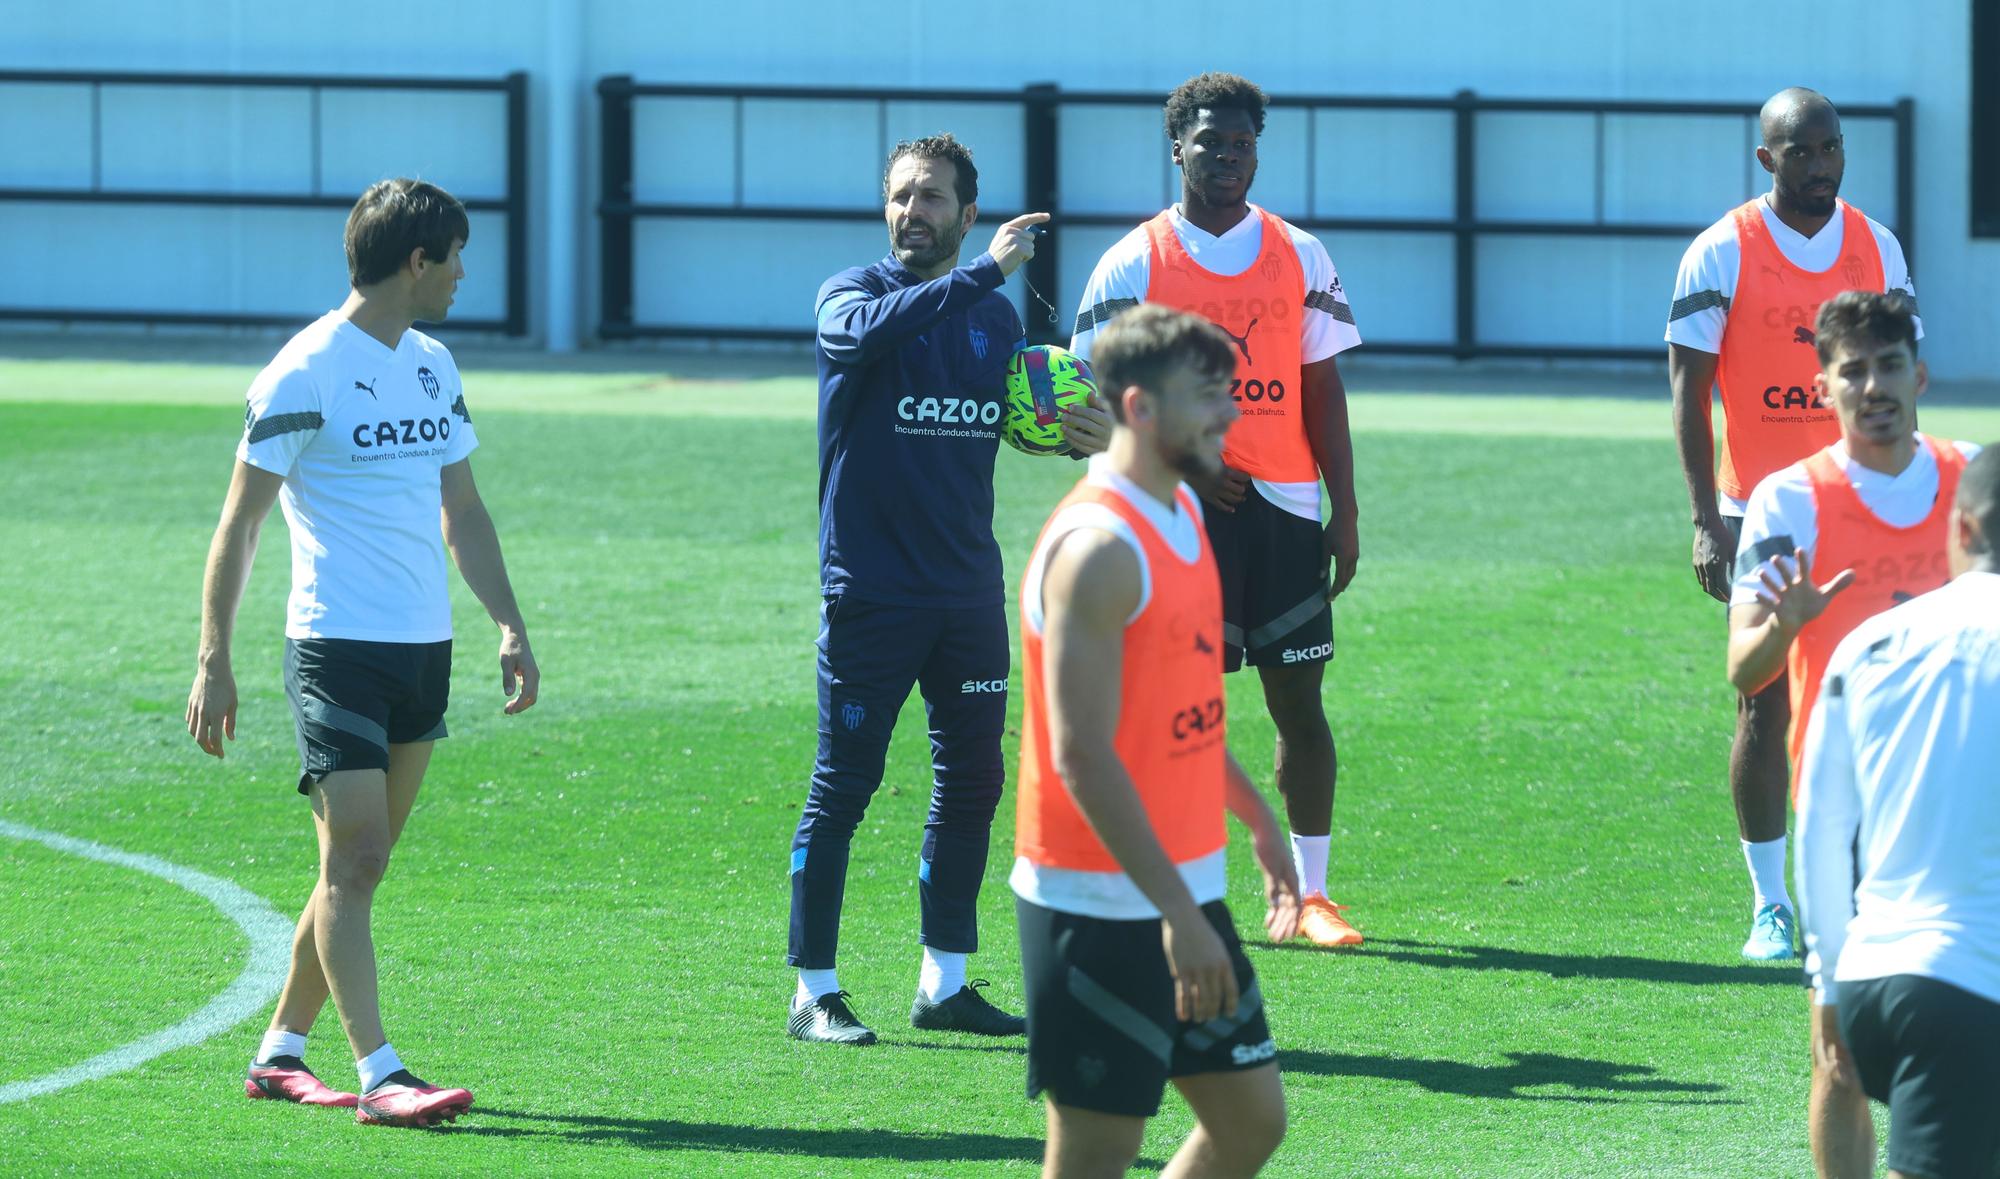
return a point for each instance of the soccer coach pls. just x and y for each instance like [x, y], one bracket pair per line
[1899, 868]
[913, 353]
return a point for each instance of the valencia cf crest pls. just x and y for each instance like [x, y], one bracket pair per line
[852, 714]
[429, 381]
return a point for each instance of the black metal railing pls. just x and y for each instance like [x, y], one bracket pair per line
[618, 210]
[513, 89]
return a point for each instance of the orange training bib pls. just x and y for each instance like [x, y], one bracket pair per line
[1170, 711]
[1261, 310]
[1768, 371]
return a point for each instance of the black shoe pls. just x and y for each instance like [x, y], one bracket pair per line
[967, 1011]
[828, 1020]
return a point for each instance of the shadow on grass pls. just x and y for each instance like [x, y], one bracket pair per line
[669, 1134]
[1607, 1081]
[1614, 967]
[1016, 1048]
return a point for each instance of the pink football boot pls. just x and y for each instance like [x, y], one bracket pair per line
[286, 1078]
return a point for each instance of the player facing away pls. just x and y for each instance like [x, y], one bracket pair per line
[1874, 505]
[913, 352]
[1899, 835]
[359, 429]
[1742, 320]
[1134, 972]
[1272, 290]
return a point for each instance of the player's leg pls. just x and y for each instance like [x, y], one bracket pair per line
[964, 683]
[351, 810]
[1239, 1122]
[1288, 638]
[1759, 780]
[1100, 1034]
[868, 661]
[1227, 1070]
[392, 1094]
[1758, 775]
[1085, 1144]
[341, 711]
[305, 992]
[1838, 1126]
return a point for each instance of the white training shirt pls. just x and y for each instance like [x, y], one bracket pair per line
[1122, 274]
[1706, 284]
[1902, 760]
[360, 432]
[1112, 895]
[1783, 515]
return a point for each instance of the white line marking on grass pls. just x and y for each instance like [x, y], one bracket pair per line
[270, 937]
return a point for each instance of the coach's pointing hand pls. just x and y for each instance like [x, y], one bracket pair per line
[1013, 244]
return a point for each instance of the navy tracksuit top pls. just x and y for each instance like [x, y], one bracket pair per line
[912, 391]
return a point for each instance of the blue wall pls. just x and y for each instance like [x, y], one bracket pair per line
[1392, 164]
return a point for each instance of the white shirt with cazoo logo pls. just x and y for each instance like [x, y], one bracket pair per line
[360, 433]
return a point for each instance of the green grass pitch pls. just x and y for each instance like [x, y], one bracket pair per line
[585, 923]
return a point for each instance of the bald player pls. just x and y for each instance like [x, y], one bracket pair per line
[1742, 317]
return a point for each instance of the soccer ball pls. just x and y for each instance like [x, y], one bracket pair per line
[1040, 381]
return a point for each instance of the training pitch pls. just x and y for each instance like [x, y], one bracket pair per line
[585, 923]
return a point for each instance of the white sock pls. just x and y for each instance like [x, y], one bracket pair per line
[942, 975]
[813, 984]
[377, 1065]
[277, 1043]
[1309, 854]
[1767, 872]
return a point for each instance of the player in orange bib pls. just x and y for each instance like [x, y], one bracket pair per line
[1272, 290]
[1875, 506]
[1742, 319]
[1134, 972]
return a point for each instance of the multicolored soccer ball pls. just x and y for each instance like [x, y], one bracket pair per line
[1041, 381]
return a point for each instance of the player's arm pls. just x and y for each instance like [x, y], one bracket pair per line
[211, 707]
[1325, 409]
[1274, 855]
[475, 549]
[856, 325]
[1691, 372]
[1089, 590]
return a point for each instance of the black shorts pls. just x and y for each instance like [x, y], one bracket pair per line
[352, 699]
[1101, 1029]
[1931, 1051]
[1274, 605]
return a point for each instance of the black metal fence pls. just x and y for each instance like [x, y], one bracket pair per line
[513, 88]
[1039, 106]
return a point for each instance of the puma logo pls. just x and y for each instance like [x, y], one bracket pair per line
[1242, 341]
[369, 388]
[1802, 335]
[1201, 644]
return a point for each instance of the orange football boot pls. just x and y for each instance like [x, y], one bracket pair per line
[1321, 923]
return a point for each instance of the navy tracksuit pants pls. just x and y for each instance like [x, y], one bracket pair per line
[870, 655]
